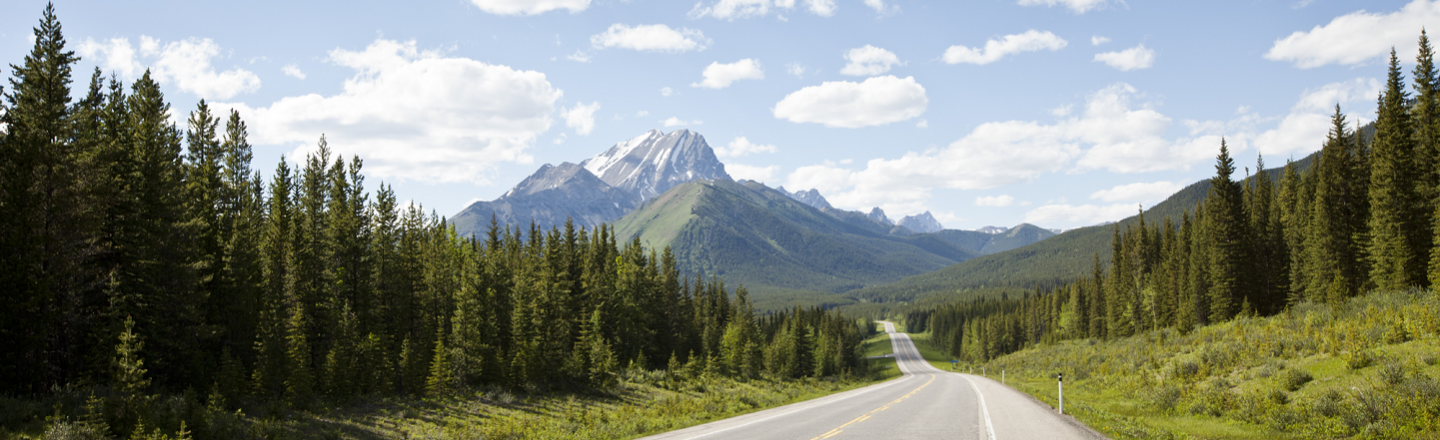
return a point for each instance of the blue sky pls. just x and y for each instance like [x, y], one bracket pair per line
[1062, 113]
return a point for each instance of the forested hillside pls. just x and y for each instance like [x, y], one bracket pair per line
[1053, 261]
[781, 248]
[1363, 218]
[142, 259]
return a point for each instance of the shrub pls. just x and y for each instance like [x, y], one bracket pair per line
[1294, 378]
[1359, 359]
[1392, 373]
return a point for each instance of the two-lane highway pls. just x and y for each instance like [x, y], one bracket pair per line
[925, 402]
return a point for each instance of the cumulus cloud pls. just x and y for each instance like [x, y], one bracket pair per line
[415, 114]
[1079, 215]
[579, 56]
[650, 37]
[581, 117]
[293, 71]
[529, 7]
[1139, 192]
[743, 147]
[748, 172]
[880, 6]
[1078, 6]
[733, 9]
[185, 64]
[666, 91]
[1029, 41]
[1303, 130]
[876, 101]
[869, 61]
[1357, 37]
[677, 122]
[1096, 40]
[999, 201]
[719, 76]
[1138, 57]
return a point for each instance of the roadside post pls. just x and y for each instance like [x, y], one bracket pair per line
[952, 364]
[1002, 376]
[1061, 378]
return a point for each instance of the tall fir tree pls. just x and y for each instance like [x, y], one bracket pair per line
[1226, 223]
[1396, 219]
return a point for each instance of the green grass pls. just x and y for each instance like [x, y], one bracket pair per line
[645, 403]
[1234, 380]
[880, 345]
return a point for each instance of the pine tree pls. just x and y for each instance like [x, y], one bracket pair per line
[442, 377]
[1227, 231]
[1396, 219]
[129, 364]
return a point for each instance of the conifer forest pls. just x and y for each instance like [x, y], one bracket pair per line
[144, 257]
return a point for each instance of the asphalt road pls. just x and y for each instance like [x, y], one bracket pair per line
[923, 403]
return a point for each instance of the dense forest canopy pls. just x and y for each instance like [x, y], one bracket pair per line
[147, 258]
[1365, 216]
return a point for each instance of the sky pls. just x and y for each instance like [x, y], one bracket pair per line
[1059, 113]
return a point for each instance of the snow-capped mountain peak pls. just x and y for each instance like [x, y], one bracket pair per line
[654, 162]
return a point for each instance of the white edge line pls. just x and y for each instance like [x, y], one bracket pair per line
[989, 428]
[907, 377]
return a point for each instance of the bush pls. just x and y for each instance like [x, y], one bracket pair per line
[1359, 359]
[1392, 373]
[1294, 378]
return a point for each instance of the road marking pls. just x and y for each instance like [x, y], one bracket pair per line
[989, 428]
[880, 387]
[866, 416]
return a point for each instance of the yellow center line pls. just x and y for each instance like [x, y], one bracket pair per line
[866, 416]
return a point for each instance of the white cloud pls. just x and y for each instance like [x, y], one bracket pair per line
[880, 6]
[733, 9]
[823, 8]
[642, 113]
[869, 61]
[666, 91]
[922, 124]
[796, 69]
[1078, 6]
[996, 201]
[529, 7]
[581, 117]
[1029, 41]
[876, 101]
[1138, 57]
[743, 147]
[1096, 40]
[1079, 215]
[293, 70]
[1062, 111]
[1139, 192]
[579, 56]
[719, 76]
[414, 114]
[1357, 37]
[651, 37]
[1304, 129]
[676, 122]
[186, 64]
[758, 174]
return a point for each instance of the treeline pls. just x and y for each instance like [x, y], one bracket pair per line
[1363, 217]
[148, 259]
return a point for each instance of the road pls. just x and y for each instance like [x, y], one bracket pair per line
[925, 402]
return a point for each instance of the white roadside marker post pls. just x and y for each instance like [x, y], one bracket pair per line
[1002, 376]
[1061, 378]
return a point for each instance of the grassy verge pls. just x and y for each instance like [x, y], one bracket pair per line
[1365, 369]
[880, 345]
[645, 403]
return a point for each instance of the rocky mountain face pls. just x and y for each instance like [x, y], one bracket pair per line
[878, 215]
[600, 189]
[923, 223]
[654, 162]
[811, 197]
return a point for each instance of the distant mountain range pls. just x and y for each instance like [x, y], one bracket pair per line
[787, 247]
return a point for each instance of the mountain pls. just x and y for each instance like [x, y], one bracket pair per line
[654, 162]
[989, 243]
[600, 189]
[811, 197]
[993, 229]
[922, 223]
[1064, 257]
[549, 197]
[878, 215]
[778, 247]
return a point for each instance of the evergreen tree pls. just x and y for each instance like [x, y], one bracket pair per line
[1228, 257]
[1396, 224]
